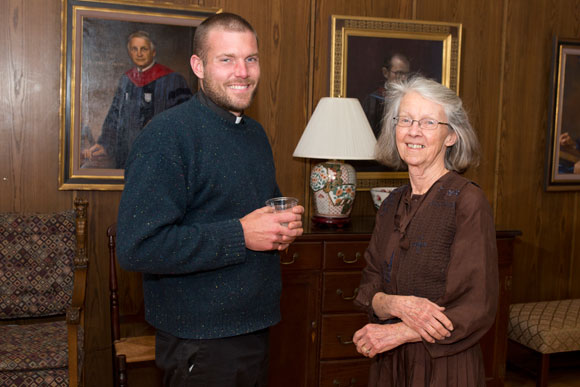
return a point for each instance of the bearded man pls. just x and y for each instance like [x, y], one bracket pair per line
[192, 219]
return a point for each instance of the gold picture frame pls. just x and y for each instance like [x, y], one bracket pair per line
[359, 47]
[94, 60]
[563, 144]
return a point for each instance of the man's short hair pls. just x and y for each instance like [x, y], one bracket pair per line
[143, 35]
[388, 62]
[225, 21]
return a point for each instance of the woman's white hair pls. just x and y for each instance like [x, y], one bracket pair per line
[458, 157]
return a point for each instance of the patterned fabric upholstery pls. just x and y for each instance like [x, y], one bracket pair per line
[36, 264]
[546, 327]
[35, 346]
[36, 355]
[41, 378]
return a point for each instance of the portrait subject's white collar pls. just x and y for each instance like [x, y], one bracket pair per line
[146, 68]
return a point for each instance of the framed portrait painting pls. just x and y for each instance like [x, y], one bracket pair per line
[563, 145]
[122, 63]
[367, 53]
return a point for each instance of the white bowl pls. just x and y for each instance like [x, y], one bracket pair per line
[379, 194]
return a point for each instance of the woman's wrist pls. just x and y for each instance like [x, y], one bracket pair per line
[407, 334]
[381, 306]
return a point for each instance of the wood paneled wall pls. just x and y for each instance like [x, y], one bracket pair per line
[506, 58]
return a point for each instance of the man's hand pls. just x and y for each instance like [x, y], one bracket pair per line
[263, 230]
[566, 140]
[94, 151]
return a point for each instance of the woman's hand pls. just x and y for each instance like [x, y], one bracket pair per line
[423, 316]
[374, 338]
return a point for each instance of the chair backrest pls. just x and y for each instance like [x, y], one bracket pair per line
[133, 339]
[38, 257]
[125, 296]
[113, 285]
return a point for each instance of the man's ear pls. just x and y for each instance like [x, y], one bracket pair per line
[197, 66]
[385, 72]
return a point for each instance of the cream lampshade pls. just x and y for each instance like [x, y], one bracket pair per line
[337, 130]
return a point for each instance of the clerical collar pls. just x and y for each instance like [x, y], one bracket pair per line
[146, 68]
[228, 116]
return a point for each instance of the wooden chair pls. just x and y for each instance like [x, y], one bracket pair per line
[127, 348]
[43, 274]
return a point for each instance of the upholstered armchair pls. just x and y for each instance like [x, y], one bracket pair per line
[43, 272]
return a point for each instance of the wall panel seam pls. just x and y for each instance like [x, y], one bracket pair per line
[500, 104]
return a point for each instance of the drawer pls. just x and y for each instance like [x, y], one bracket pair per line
[344, 373]
[302, 255]
[336, 335]
[339, 290]
[344, 255]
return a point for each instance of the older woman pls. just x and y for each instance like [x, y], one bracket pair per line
[430, 286]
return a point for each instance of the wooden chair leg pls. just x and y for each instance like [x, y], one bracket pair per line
[544, 370]
[122, 371]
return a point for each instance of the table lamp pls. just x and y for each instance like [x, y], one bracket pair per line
[337, 130]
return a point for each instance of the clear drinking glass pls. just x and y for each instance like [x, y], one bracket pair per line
[281, 204]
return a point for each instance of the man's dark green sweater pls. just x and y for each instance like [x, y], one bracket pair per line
[191, 175]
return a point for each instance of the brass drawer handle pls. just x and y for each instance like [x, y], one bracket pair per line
[295, 256]
[347, 298]
[341, 341]
[342, 256]
[337, 382]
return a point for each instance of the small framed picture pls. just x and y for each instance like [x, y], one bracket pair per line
[563, 139]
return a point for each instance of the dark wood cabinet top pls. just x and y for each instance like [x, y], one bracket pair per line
[361, 227]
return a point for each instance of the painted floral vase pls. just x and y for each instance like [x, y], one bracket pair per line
[334, 187]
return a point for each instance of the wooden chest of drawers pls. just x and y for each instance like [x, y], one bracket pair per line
[312, 346]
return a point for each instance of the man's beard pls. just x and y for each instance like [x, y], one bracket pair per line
[223, 100]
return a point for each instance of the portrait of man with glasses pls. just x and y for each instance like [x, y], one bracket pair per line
[395, 67]
[373, 60]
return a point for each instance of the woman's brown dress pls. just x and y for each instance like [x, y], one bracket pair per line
[440, 246]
